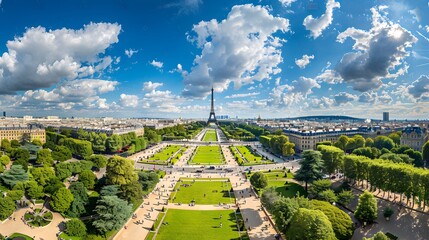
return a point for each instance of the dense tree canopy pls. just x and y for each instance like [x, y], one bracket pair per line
[42, 174]
[120, 171]
[332, 158]
[80, 200]
[44, 158]
[75, 228]
[7, 206]
[14, 175]
[87, 177]
[99, 160]
[113, 213]
[342, 224]
[381, 142]
[310, 224]
[61, 200]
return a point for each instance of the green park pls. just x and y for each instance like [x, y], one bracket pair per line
[194, 224]
[246, 156]
[203, 191]
[210, 136]
[208, 155]
[166, 155]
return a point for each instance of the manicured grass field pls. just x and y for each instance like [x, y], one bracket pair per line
[210, 136]
[252, 157]
[197, 225]
[215, 192]
[67, 237]
[162, 156]
[15, 235]
[277, 180]
[208, 155]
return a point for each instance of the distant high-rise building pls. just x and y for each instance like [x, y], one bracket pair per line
[385, 116]
[4, 114]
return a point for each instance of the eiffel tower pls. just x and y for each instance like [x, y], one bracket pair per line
[212, 117]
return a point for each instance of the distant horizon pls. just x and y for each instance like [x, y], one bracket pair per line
[230, 118]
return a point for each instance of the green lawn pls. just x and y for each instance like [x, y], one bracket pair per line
[208, 155]
[196, 225]
[251, 157]
[278, 180]
[210, 136]
[67, 237]
[162, 156]
[20, 235]
[215, 192]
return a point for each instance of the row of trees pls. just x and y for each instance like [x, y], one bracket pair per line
[278, 144]
[389, 176]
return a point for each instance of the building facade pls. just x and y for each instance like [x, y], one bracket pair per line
[307, 140]
[415, 137]
[20, 133]
[386, 116]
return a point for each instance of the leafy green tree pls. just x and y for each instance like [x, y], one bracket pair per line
[369, 142]
[319, 186]
[332, 158]
[345, 197]
[120, 171]
[310, 224]
[5, 144]
[87, 177]
[34, 190]
[269, 199]
[80, 200]
[259, 180]
[400, 149]
[381, 142]
[4, 160]
[14, 175]
[378, 236]
[79, 148]
[61, 200]
[132, 192]
[288, 149]
[425, 153]
[37, 142]
[148, 180]
[311, 167]
[99, 161]
[15, 144]
[53, 185]
[328, 196]
[1, 168]
[75, 228]
[61, 153]
[113, 213]
[398, 158]
[416, 155]
[370, 152]
[110, 190]
[366, 211]
[21, 157]
[114, 143]
[396, 137]
[42, 174]
[342, 224]
[7, 207]
[342, 142]
[15, 195]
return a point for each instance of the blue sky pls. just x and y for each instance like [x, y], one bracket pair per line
[159, 58]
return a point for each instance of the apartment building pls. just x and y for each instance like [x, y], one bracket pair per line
[22, 132]
[415, 137]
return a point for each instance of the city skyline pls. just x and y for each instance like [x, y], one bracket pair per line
[274, 58]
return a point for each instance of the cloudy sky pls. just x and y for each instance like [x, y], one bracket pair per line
[160, 58]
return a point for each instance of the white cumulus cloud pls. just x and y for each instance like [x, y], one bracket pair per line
[287, 3]
[157, 64]
[56, 55]
[304, 61]
[151, 86]
[130, 52]
[240, 49]
[127, 100]
[317, 25]
[242, 95]
[379, 53]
